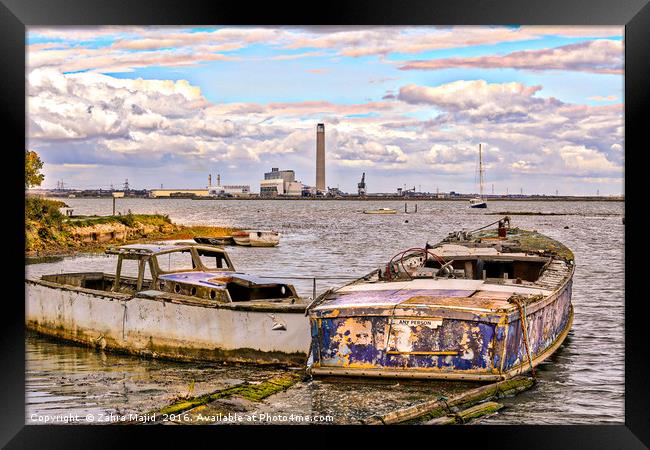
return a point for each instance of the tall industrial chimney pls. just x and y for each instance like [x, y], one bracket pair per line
[219, 180]
[209, 180]
[320, 157]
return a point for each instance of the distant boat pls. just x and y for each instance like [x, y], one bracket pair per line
[256, 238]
[380, 211]
[479, 202]
[221, 240]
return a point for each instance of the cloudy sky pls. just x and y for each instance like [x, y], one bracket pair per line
[407, 105]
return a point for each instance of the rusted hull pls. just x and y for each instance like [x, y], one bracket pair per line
[438, 343]
[162, 329]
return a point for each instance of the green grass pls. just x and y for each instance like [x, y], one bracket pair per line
[129, 220]
[252, 392]
[532, 242]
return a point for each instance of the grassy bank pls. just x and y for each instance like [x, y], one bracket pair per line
[48, 232]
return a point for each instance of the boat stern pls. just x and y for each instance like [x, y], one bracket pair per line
[421, 336]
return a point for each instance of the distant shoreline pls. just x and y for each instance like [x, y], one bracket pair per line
[369, 199]
[416, 199]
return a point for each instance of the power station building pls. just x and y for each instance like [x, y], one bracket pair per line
[238, 190]
[320, 157]
[234, 190]
[280, 182]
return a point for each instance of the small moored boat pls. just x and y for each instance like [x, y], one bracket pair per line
[479, 202]
[380, 211]
[219, 241]
[483, 305]
[187, 302]
[256, 238]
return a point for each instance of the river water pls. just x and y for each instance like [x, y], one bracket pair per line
[583, 382]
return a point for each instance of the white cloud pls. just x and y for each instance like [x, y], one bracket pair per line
[522, 166]
[479, 99]
[89, 120]
[135, 47]
[581, 159]
[598, 56]
[603, 98]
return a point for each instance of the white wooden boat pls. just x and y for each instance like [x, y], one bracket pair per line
[241, 237]
[257, 238]
[191, 305]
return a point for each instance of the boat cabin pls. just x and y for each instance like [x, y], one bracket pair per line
[187, 269]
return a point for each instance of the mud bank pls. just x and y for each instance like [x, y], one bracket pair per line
[95, 233]
[278, 399]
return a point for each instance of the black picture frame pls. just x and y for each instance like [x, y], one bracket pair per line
[16, 15]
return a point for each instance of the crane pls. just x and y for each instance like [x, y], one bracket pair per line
[361, 187]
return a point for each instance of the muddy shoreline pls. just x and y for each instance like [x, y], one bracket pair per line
[53, 251]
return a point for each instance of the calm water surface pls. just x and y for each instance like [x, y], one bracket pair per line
[582, 383]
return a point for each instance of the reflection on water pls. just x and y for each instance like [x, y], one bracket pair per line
[581, 383]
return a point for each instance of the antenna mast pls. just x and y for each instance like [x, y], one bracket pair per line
[480, 170]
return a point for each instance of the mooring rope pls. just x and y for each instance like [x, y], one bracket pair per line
[490, 224]
[524, 329]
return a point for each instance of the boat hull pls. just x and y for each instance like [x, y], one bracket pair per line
[242, 240]
[479, 205]
[264, 239]
[438, 343]
[178, 330]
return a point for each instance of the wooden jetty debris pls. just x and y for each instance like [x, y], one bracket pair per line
[252, 392]
[440, 407]
[466, 415]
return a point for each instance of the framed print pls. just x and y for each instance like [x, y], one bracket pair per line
[344, 219]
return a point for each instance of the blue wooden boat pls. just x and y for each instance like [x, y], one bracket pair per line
[482, 305]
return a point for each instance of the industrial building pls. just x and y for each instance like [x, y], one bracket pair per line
[159, 193]
[280, 182]
[320, 157]
[210, 191]
[233, 190]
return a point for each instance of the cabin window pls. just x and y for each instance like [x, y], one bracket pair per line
[213, 260]
[129, 268]
[175, 261]
[129, 275]
[240, 293]
[147, 271]
[524, 270]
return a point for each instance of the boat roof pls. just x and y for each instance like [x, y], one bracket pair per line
[444, 292]
[217, 279]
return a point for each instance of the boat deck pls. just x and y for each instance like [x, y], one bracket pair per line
[469, 295]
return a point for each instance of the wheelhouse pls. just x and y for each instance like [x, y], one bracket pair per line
[199, 271]
[168, 259]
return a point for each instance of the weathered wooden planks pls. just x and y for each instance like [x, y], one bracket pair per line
[439, 407]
